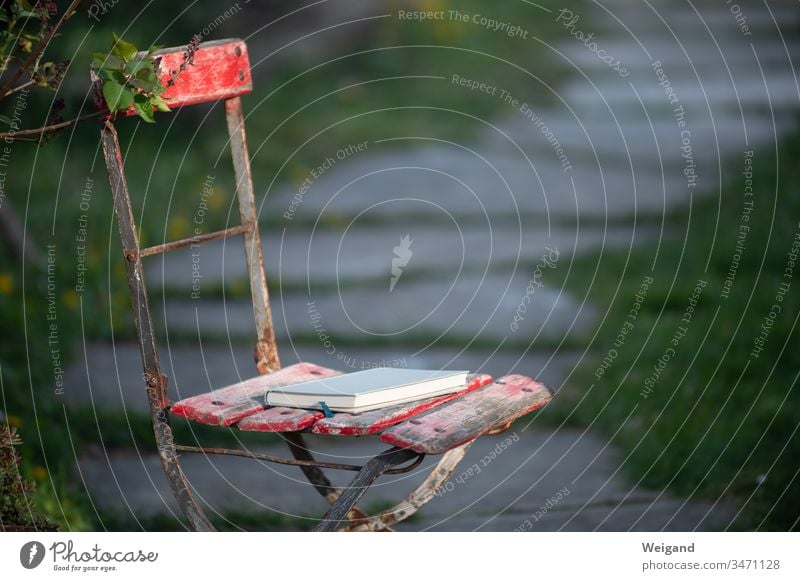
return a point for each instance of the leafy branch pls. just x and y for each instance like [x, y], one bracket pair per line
[125, 77]
[26, 29]
[130, 79]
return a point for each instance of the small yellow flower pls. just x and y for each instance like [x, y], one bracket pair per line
[178, 227]
[14, 421]
[219, 199]
[25, 44]
[6, 283]
[70, 299]
[298, 174]
[447, 31]
[39, 473]
[239, 287]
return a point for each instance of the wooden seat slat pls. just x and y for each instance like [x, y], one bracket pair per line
[229, 405]
[375, 421]
[280, 419]
[467, 417]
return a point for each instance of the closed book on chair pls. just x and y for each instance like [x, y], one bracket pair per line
[367, 390]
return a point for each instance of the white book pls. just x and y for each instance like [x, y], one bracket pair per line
[367, 390]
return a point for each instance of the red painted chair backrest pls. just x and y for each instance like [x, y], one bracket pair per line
[220, 70]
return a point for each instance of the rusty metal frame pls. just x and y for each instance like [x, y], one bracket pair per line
[416, 499]
[266, 347]
[199, 239]
[339, 512]
[156, 381]
[343, 513]
[289, 462]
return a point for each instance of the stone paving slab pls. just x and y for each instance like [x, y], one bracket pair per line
[630, 141]
[517, 481]
[445, 182]
[493, 308]
[717, 16]
[779, 92]
[299, 256]
[700, 52]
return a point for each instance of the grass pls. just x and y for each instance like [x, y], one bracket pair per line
[715, 421]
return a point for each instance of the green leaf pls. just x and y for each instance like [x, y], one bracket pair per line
[117, 96]
[98, 60]
[160, 104]
[102, 60]
[145, 86]
[145, 111]
[118, 76]
[147, 74]
[133, 67]
[124, 50]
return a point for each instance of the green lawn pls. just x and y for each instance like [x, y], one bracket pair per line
[702, 409]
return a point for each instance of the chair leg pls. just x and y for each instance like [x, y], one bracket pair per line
[414, 501]
[338, 512]
[156, 382]
[178, 484]
[316, 476]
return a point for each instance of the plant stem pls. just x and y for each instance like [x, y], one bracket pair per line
[7, 57]
[20, 87]
[13, 135]
[5, 91]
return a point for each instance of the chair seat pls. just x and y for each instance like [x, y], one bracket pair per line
[430, 426]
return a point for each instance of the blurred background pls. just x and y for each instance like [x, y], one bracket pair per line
[601, 195]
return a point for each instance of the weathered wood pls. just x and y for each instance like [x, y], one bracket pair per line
[221, 70]
[155, 380]
[470, 416]
[280, 419]
[375, 421]
[266, 352]
[226, 406]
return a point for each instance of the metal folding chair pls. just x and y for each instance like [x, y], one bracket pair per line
[445, 425]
